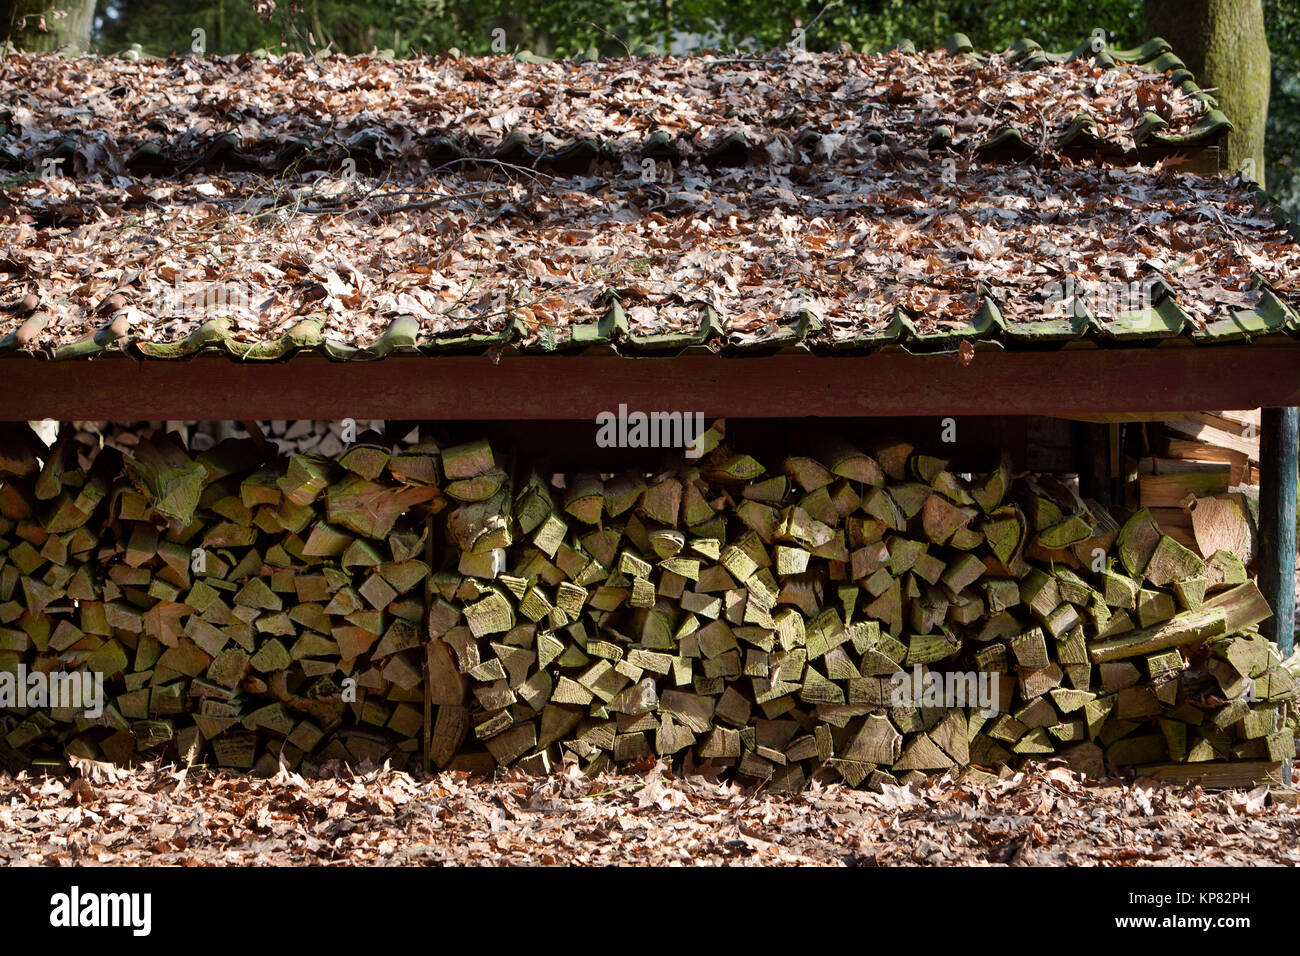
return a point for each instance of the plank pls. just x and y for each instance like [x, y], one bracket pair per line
[1071, 382]
[1217, 774]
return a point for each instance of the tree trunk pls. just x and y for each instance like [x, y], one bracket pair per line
[39, 25]
[1223, 44]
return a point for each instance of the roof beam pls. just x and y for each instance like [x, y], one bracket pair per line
[1070, 382]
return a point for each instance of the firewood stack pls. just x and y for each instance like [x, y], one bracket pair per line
[227, 597]
[757, 618]
[749, 617]
[1204, 490]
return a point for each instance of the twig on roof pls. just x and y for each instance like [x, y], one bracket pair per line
[439, 200]
[812, 23]
[288, 17]
[757, 60]
[1042, 141]
[535, 173]
[621, 42]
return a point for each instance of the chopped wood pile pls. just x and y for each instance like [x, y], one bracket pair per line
[1204, 490]
[845, 615]
[228, 600]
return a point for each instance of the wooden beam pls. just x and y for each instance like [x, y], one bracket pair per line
[1076, 381]
[1120, 418]
[1219, 774]
[1277, 517]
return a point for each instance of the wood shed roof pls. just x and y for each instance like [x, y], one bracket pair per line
[354, 208]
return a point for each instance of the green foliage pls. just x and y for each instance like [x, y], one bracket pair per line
[1282, 138]
[879, 25]
[568, 27]
[164, 27]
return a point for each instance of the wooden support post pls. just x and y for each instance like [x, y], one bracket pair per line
[1277, 516]
[1116, 471]
[426, 742]
[1092, 458]
[430, 556]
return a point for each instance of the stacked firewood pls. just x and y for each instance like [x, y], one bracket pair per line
[864, 616]
[242, 607]
[1201, 480]
[766, 620]
[303, 436]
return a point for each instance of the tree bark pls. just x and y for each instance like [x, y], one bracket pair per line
[1223, 44]
[39, 25]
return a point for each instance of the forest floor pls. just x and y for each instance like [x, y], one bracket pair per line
[155, 815]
